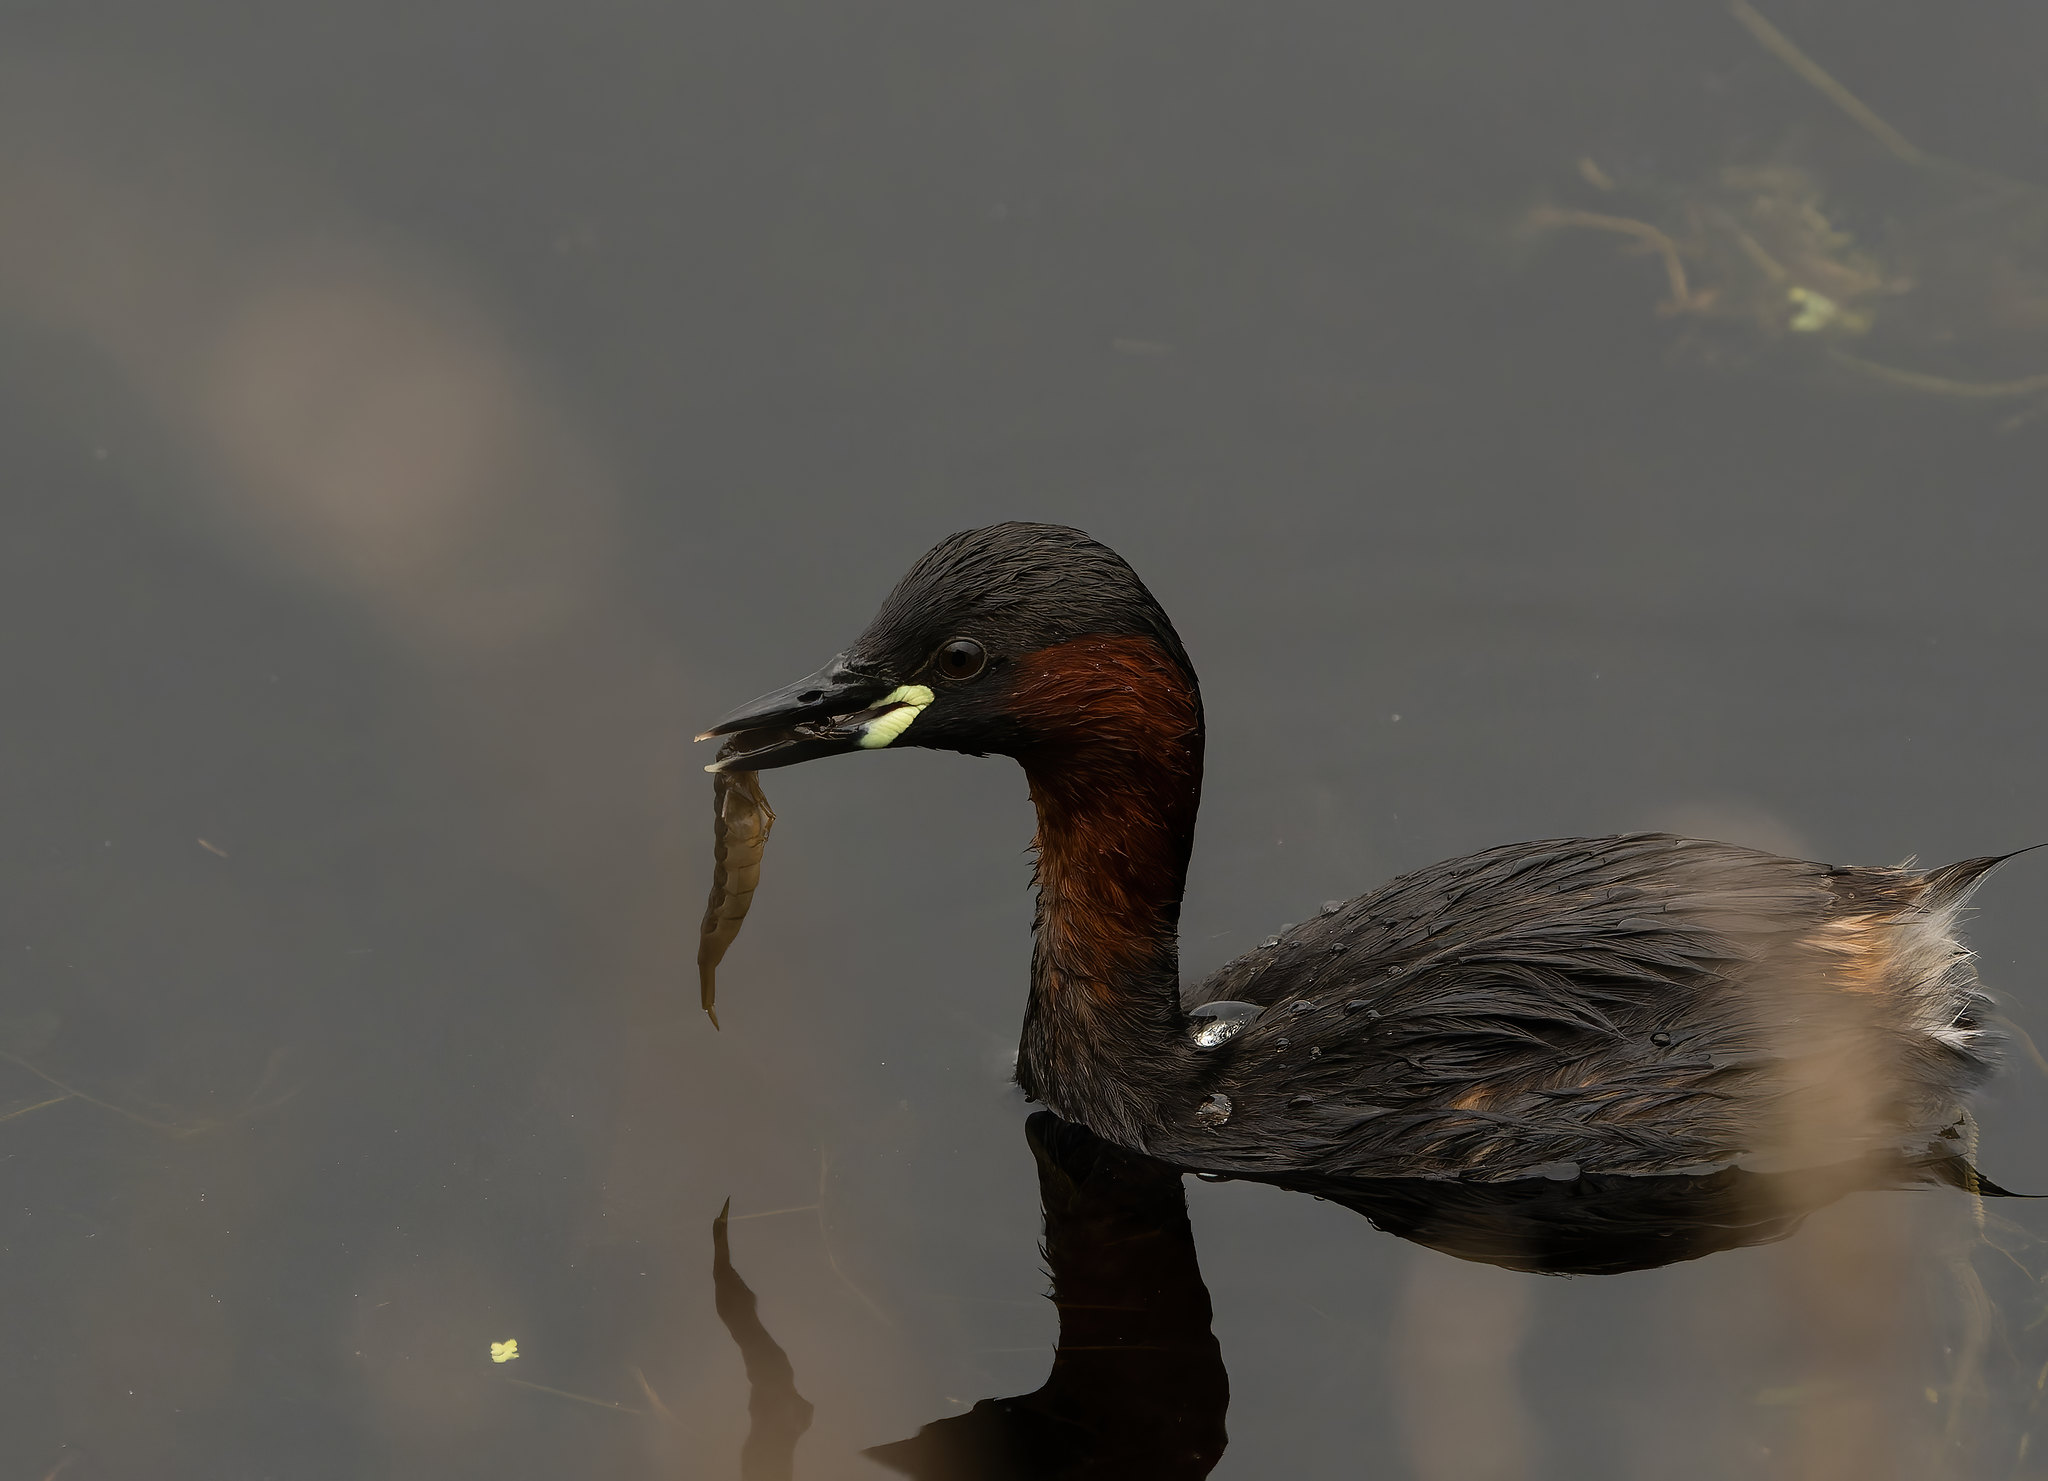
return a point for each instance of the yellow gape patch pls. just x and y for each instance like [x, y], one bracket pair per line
[909, 700]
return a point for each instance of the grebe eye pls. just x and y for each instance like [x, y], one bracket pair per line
[962, 658]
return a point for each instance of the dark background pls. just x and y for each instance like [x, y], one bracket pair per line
[416, 421]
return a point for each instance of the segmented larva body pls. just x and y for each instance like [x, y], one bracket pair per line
[742, 818]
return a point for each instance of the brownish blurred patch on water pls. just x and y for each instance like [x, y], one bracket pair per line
[366, 430]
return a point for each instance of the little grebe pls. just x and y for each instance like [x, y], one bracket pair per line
[1570, 1012]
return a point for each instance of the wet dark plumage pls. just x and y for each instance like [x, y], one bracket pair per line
[1635, 1004]
[1589, 1053]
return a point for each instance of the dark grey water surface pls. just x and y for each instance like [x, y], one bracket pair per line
[418, 420]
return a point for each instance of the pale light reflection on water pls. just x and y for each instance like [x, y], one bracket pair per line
[417, 426]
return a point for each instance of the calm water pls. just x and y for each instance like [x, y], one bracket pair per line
[418, 421]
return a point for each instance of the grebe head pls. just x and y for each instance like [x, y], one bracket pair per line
[986, 645]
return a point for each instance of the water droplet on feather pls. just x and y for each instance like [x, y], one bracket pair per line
[1217, 1023]
[1214, 1111]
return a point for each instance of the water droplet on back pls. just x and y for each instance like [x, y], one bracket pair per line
[1331, 907]
[1214, 1111]
[1217, 1023]
[1660, 1039]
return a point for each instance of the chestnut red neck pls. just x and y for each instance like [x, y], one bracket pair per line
[1114, 761]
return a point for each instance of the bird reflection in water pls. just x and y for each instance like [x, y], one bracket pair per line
[1138, 1386]
[1605, 1224]
[1579, 1056]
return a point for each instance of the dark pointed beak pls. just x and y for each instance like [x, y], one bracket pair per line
[830, 713]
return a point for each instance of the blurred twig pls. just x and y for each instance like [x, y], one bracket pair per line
[1779, 45]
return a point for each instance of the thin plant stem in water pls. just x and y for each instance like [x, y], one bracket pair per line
[831, 1259]
[1779, 45]
[174, 1128]
[770, 1213]
[1942, 385]
[563, 1393]
[55, 1100]
[1674, 269]
[654, 1398]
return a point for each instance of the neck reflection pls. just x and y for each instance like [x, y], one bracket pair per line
[1137, 1386]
